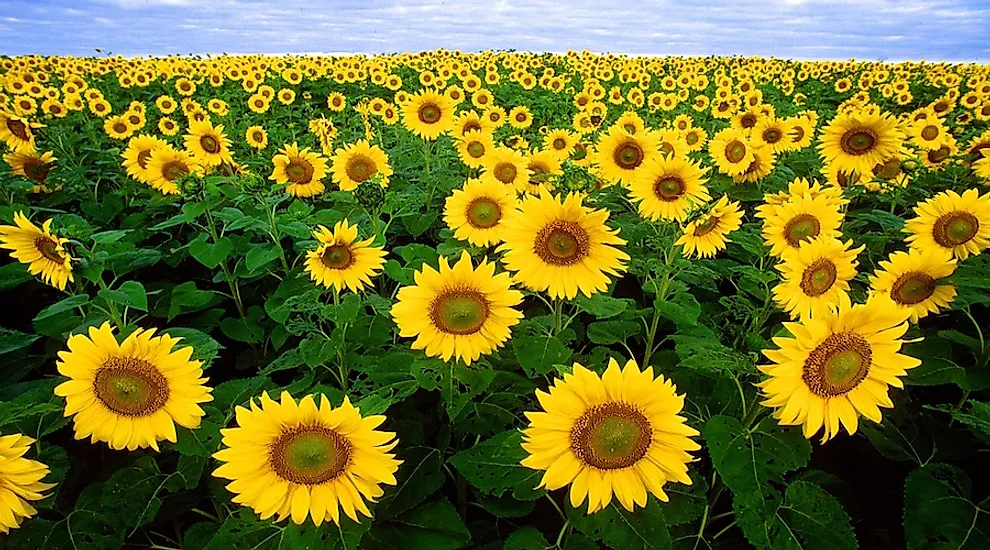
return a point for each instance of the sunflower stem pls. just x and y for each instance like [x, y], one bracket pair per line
[558, 314]
[341, 364]
[276, 239]
[562, 534]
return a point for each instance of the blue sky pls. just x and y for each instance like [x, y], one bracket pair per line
[865, 29]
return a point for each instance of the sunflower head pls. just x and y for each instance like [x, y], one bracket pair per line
[20, 481]
[341, 261]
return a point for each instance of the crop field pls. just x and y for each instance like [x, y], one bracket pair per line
[493, 300]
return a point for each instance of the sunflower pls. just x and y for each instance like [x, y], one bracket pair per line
[167, 126]
[138, 154]
[731, 152]
[764, 160]
[913, 281]
[208, 144]
[560, 142]
[619, 434]
[475, 211]
[561, 247]
[797, 187]
[668, 187]
[801, 132]
[929, 134]
[300, 170]
[39, 249]
[520, 117]
[20, 481]
[706, 235]
[166, 105]
[358, 162]
[256, 137]
[620, 156]
[31, 165]
[166, 165]
[473, 147]
[341, 261]
[816, 277]
[470, 121]
[300, 460]
[460, 311]
[506, 166]
[116, 127]
[858, 141]
[428, 114]
[132, 394]
[543, 167]
[800, 219]
[836, 367]
[336, 102]
[771, 133]
[956, 223]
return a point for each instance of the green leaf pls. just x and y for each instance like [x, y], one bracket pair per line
[211, 254]
[682, 309]
[939, 511]
[612, 332]
[812, 519]
[11, 340]
[645, 529]
[13, 274]
[186, 298]
[493, 467]
[205, 348]
[260, 255]
[105, 237]
[539, 353]
[526, 538]
[419, 476]
[601, 305]
[434, 525]
[128, 294]
[123, 263]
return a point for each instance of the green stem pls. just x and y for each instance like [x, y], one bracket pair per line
[562, 534]
[235, 291]
[558, 315]
[273, 228]
[341, 363]
[114, 315]
[701, 528]
[556, 506]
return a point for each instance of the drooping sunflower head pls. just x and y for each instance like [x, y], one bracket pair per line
[300, 170]
[303, 460]
[816, 278]
[341, 261]
[31, 165]
[428, 114]
[668, 187]
[506, 166]
[707, 234]
[137, 156]
[39, 249]
[954, 223]
[357, 162]
[731, 151]
[20, 481]
[620, 156]
[857, 141]
[458, 311]
[620, 435]
[476, 211]
[800, 219]
[913, 281]
[561, 246]
[837, 367]
[130, 395]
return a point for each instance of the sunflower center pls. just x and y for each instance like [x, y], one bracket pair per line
[299, 171]
[119, 127]
[955, 229]
[559, 144]
[429, 113]
[360, 168]
[48, 248]
[131, 387]
[929, 132]
[859, 141]
[939, 154]
[735, 151]
[818, 277]
[562, 243]
[18, 128]
[505, 172]
[483, 213]
[772, 135]
[309, 455]
[611, 436]
[705, 227]
[668, 188]
[459, 312]
[888, 170]
[210, 144]
[691, 138]
[143, 157]
[629, 155]
[36, 170]
[337, 256]
[798, 133]
[476, 149]
[748, 121]
[838, 364]
[801, 228]
[470, 126]
[912, 287]
[174, 170]
[258, 137]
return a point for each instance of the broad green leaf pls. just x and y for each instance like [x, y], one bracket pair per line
[539, 353]
[434, 525]
[11, 340]
[493, 466]
[601, 305]
[205, 348]
[939, 511]
[526, 538]
[129, 294]
[645, 528]
[211, 254]
[612, 332]
[260, 255]
[812, 519]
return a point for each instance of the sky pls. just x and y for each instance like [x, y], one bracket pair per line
[934, 30]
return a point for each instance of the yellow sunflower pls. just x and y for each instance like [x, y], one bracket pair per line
[358, 162]
[506, 166]
[428, 114]
[39, 249]
[520, 117]
[130, 395]
[473, 147]
[800, 219]
[20, 481]
[731, 152]
[475, 212]
[208, 144]
[256, 137]
[166, 165]
[561, 247]
[116, 127]
[31, 165]
[618, 435]
[543, 166]
[620, 156]
[300, 170]
[461, 311]
[858, 141]
[706, 235]
[138, 155]
[959, 224]
[470, 121]
[17, 132]
[299, 460]
[816, 277]
[668, 187]
[837, 367]
[168, 127]
[341, 260]
[560, 142]
[913, 281]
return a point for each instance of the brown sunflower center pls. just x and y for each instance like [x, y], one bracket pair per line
[309, 455]
[954, 229]
[36, 170]
[210, 144]
[691, 138]
[360, 168]
[838, 364]
[429, 113]
[706, 226]
[131, 387]
[174, 170]
[299, 171]
[772, 135]
[48, 248]
[735, 151]
[797, 134]
[818, 277]
[459, 312]
[119, 127]
[559, 144]
[483, 213]
[471, 126]
[476, 149]
[888, 170]
[929, 132]
[562, 243]
[858, 141]
[143, 157]
[628, 155]
[801, 228]
[505, 172]
[669, 188]
[939, 154]
[912, 288]
[611, 436]
[748, 120]
[337, 256]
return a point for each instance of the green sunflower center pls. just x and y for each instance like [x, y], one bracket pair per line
[337, 256]
[429, 113]
[802, 227]
[174, 170]
[483, 213]
[818, 277]
[562, 243]
[360, 168]
[930, 132]
[668, 188]
[955, 229]
[131, 387]
[706, 226]
[838, 364]
[210, 144]
[459, 312]
[912, 288]
[309, 455]
[858, 141]
[611, 436]
[505, 172]
[628, 155]
[559, 144]
[691, 138]
[735, 151]
[476, 149]
[772, 135]
[119, 127]
[299, 171]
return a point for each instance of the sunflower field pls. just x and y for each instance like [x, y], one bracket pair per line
[493, 300]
